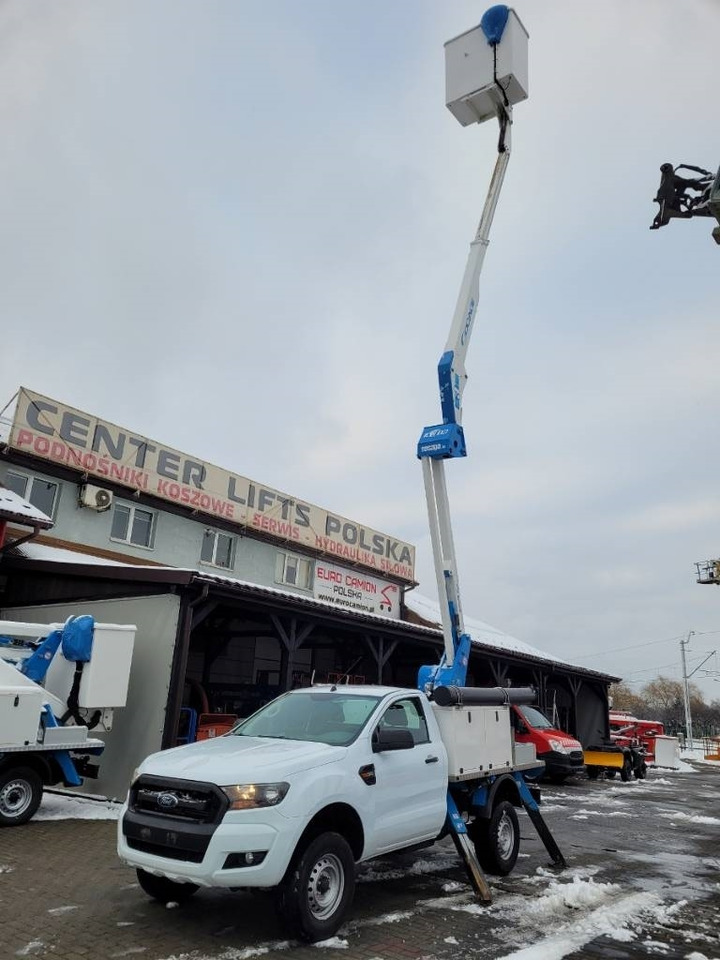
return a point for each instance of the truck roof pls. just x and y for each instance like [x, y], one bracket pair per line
[355, 690]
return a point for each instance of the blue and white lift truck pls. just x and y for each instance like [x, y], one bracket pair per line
[57, 683]
[326, 777]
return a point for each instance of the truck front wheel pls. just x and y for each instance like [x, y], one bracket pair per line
[497, 840]
[314, 897]
[21, 791]
[164, 889]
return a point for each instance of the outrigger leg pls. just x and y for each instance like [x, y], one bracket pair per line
[466, 849]
[533, 811]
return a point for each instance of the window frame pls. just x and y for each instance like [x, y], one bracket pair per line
[132, 508]
[421, 735]
[216, 535]
[30, 481]
[284, 560]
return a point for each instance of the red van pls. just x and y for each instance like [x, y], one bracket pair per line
[562, 754]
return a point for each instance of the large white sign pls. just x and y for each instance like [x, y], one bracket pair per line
[52, 431]
[356, 590]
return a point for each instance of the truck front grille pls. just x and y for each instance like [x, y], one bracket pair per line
[181, 800]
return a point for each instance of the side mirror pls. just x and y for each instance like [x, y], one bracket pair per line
[520, 727]
[385, 738]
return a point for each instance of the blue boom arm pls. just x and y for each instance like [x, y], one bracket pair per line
[446, 440]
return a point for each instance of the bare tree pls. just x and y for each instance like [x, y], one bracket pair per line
[625, 699]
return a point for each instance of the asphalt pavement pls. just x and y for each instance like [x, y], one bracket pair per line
[642, 880]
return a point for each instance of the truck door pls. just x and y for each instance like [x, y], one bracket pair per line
[411, 786]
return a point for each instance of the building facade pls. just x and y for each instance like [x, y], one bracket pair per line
[115, 493]
[238, 591]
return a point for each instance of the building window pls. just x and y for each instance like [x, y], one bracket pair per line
[293, 570]
[133, 525]
[217, 549]
[41, 493]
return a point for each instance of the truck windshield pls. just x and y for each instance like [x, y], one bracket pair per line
[535, 719]
[335, 718]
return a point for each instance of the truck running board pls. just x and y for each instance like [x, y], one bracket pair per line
[466, 849]
[533, 811]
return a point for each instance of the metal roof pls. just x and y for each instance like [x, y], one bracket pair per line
[16, 509]
[48, 558]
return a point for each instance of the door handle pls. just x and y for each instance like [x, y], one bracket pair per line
[431, 759]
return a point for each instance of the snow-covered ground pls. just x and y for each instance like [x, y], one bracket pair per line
[643, 864]
[66, 806]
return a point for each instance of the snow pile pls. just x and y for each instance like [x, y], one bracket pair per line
[379, 870]
[579, 912]
[64, 806]
[578, 894]
[243, 953]
[30, 948]
[688, 818]
[395, 917]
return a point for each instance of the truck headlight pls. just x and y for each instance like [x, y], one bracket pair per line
[248, 796]
[557, 746]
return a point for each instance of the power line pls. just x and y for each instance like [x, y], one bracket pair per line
[636, 646]
[649, 643]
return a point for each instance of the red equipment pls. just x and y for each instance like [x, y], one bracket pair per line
[627, 731]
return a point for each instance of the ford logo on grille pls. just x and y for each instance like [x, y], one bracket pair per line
[167, 801]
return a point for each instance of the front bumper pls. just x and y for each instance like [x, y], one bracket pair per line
[562, 764]
[210, 855]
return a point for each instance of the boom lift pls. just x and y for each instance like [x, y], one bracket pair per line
[486, 74]
[57, 683]
[362, 771]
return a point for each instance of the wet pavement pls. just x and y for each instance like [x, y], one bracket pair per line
[643, 880]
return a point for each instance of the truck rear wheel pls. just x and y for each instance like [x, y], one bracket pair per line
[315, 895]
[21, 791]
[164, 889]
[497, 840]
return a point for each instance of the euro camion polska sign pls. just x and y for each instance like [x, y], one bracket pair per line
[50, 430]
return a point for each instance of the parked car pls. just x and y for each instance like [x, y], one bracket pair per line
[561, 753]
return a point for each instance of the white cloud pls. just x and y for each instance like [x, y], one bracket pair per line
[241, 230]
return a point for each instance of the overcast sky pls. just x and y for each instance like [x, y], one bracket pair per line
[239, 227]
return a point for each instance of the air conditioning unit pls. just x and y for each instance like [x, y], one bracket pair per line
[97, 498]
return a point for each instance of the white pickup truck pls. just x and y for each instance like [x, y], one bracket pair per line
[316, 781]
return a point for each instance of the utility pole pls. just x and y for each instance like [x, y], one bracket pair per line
[686, 689]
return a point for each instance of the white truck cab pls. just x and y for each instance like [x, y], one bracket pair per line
[292, 797]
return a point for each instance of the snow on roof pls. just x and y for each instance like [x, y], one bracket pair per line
[479, 631]
[14, 507]
[41, 551]
[322, 604]
[429, 610]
